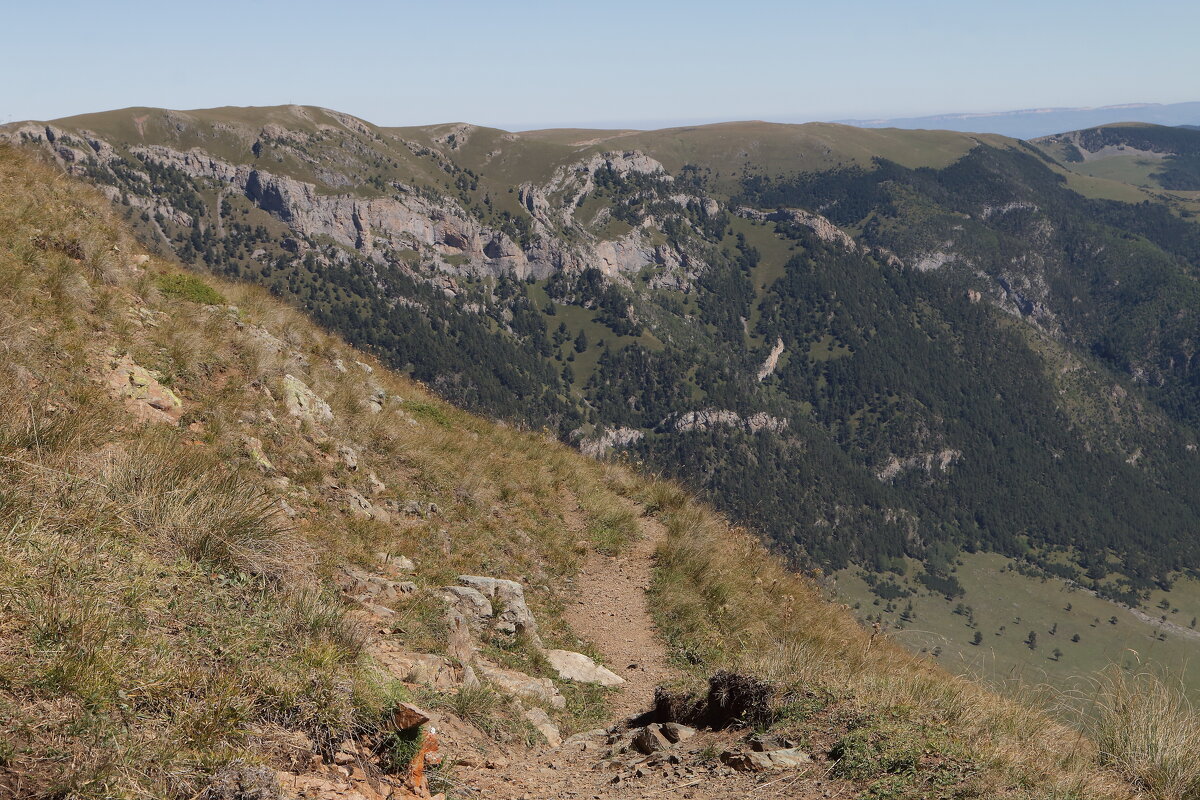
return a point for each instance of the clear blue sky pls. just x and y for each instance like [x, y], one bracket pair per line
[528, 63]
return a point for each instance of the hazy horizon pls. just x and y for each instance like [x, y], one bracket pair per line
[530, 65]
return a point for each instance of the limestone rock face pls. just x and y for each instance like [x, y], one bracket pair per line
[303, 403]
[930, 462]
[578, 667]
[772, 360]
[599, 446]
[713, 418]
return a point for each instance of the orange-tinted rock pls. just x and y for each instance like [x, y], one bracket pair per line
[408, 716]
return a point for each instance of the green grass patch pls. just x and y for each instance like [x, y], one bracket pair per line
[900, 758]
[182, 286]
[1075, 632]
[429, 411]
[611, 531]
[397, 749]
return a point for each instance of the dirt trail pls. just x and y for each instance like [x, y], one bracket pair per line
[611, 610]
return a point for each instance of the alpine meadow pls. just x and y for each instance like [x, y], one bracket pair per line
[349, 461]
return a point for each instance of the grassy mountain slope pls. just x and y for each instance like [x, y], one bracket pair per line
[1158, 161]
[178, 507]
[879, 348]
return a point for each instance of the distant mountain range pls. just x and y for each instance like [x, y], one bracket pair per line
[1031, 122]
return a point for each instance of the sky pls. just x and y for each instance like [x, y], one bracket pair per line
[526, 64]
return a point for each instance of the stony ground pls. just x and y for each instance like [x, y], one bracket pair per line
[611, 611]
[580, 769]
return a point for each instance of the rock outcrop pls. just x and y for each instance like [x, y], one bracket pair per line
[711, 418]
[514, 617]
[405, 218]
[825, 230]
[930, 462]
[303, 403]
[611, 439]
[772, 360]
[144, 396]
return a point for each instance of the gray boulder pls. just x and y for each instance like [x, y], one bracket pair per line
[520, 685]
[540, 720]
[514, 616]
[788, 758]
[677, 733]
[581, 669]
[650, 739]
[476, 608]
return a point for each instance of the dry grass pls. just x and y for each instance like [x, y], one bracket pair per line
[166, 597]
[1146, 729]
[161, 610]
[724, 604]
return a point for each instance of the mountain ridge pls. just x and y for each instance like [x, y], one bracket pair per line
[242, 559]
[631, 298]
[1033, 122]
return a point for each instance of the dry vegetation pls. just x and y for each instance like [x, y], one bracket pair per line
[165, 593]
[162, 614]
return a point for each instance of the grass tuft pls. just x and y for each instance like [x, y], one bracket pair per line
[1146, 729]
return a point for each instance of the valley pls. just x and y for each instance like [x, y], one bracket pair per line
[1076, 634]
[240, 559]
[978, 347]
[637, 401]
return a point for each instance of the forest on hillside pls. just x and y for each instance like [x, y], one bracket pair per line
[909, 419]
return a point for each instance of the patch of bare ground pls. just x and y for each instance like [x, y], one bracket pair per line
[610, 609]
